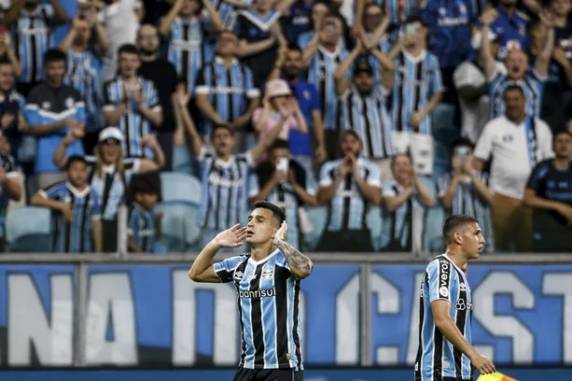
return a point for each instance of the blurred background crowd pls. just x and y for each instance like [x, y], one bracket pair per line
[149, 126]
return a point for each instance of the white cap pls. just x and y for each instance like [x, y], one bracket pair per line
[111, 133]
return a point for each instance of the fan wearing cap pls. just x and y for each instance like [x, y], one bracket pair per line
[280, 110]
[363, 105]
[110, 172]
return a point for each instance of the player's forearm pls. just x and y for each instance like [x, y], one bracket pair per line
[13, 188]
[325, 194]
[425, 195]
[449, 329]
[533, 201]
[447, 198]
[208, 110]
[300, 265]
[204, 261]
[370, 193]
[482, 189]
[153, 116]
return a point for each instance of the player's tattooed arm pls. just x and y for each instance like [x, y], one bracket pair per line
[300, 265]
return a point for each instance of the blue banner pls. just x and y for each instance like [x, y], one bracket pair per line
[153, 315]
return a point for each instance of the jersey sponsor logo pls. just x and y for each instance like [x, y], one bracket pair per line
[255, 294]
[268, 273]
[444, 292]
[444, 278]
[461, 305]
[46, 105]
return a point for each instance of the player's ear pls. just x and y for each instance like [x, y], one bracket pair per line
[457, 237]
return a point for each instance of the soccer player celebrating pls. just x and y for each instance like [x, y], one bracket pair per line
[268, 284]
[445, 350]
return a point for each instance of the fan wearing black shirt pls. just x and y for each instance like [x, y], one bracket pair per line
[164, 76]
[549, 192]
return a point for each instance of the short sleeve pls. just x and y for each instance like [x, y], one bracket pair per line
[443, 185]
[485, 142]
[326, 175]
[439, 279]
[225, 269]
[253, 188]
[544, 140]
[107, 100]
[537, 177]
[467, 75]
[53, 192]
[389, 189]
[281, 261]
[251, 90]
[31, 114]
[152, 97]
[374, 178]
[436, 80]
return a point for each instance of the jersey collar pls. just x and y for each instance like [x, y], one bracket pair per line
[76, 192]
[256, 263]
[453, 263]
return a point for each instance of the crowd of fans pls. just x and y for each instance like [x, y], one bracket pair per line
[304, 103]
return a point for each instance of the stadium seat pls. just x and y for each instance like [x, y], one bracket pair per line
[180, 187]
[179, 228]
[28, 229]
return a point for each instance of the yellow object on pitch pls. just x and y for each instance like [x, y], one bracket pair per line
[497, 376]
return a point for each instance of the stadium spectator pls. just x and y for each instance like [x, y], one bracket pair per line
[414, 98]
[348, 186]
[98, 43]
[187, 29]
[549, 192]
[473, 91]
[514, 142]
[405, 199]
[224, 175]
[280, 110]
[517, 70]
[121, 20]
[320, 9]
[144, 221]
[297, 20]
[285, 183]
[363, 106]
[132, 103]
[449, 26]
[396, 10]
[225, 92]
[259, 33]
[509, 24]
[84, 74]
[10, 182]
[375, 40]
[163, 75]
[31, 22]
[52, 109]
[557, 89]
[77, 220]
[12, 122]
[290, 67]
[465, 191]
[323, 55]
[7, 53]
[110, 172]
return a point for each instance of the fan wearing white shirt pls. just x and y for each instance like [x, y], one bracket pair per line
[515, 142]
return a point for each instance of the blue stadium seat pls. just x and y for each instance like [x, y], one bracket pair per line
[179, 227]
[28, 229]
[180, 187]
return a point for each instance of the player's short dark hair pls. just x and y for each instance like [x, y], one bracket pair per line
[455, 221]
[128, 49]
[54, 55]
[75, 159]
[277, 211]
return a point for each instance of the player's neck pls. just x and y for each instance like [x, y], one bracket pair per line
[457, 258]
[260, 251]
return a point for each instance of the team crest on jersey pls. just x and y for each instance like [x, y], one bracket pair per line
[46, 105]
[238, 275]
[268, 273]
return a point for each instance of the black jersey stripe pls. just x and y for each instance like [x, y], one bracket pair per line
[281, 275]
[256, 319]
[444, 279]
[241, 269]
[460, 322]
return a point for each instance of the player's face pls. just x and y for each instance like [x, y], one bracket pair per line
[110, 151]
[473, 241]
[77, 174]
[563, 146]
[129, 64]
[6, 77]
[223, 141]
[55, 71]
[261, 226]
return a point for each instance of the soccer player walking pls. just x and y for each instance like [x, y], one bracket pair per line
[267, 281]
[445, 350]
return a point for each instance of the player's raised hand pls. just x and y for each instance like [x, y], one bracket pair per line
[483, 364]
[281, 232]
[232, 237]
